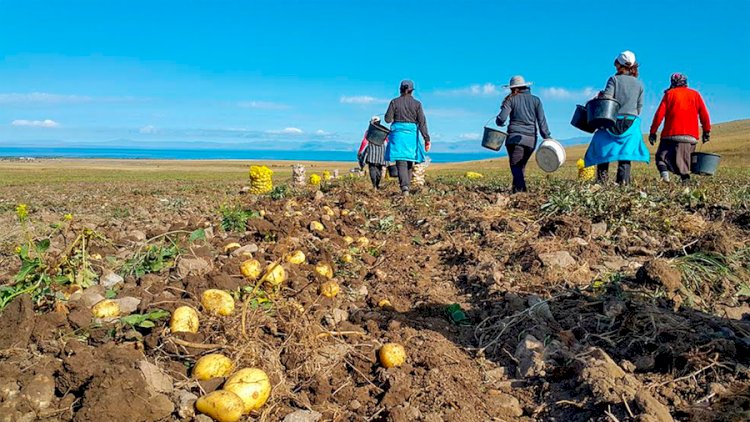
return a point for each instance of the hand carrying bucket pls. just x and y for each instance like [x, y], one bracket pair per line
[550, 156]
[492, 138]
[602, 112]
[580, 119]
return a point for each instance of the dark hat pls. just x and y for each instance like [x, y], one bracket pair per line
[407, 85]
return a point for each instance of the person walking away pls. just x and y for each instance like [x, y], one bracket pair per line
[622, 142]
[406, 116]
[526, 115]
[680, 109]
[372, 153]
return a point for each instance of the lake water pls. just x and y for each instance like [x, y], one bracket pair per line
[220, 154]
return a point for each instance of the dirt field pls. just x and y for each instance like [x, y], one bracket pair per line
[581, 302]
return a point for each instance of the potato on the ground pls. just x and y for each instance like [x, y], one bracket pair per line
[213, 365]
[106, 308]
[348, 240]
[324, 269]
[328, 211]
[296, 257]
[221, 406]
[217, 302]
[275, 274]
[229, 247]
[252, 386]
[363, 242]
[251, 269]
[316, 226]
[184, 320]
[330, 289]
[391, 355]
[347, 258]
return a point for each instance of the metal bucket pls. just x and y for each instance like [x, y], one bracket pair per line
[376, 134]
[493, 138]
[392, 170]
[704, 163]
[580, 119]
[550, 155]
[602, 112]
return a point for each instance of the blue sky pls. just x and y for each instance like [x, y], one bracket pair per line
[282, 74]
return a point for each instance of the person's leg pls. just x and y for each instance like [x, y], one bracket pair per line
[623, 172]
[662, 160]
[374, 171]
[602, 173]
[404, 174]
[526, 155]
[518, 156]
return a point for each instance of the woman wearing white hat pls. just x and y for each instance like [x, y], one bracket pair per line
[526, 115]
[622, 142]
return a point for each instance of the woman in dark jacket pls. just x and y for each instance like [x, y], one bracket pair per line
[526, 114]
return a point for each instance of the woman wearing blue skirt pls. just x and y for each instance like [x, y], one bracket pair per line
[622, 142]
[404, 147]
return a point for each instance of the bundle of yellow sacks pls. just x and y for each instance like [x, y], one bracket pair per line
[472, 175]
[585, 173]
[261, 180]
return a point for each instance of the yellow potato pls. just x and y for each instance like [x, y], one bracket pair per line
[328, 211]
[392, 354]
[221, 406]
[363, 242]
[347, 258]
[250, 269]
[213, 365]
[296, 257]
[316, 226]
[344, 213]
[275, 274]
[262, 213]
[330, 289]
[229, 247]
[324, 269]
[385, 303]
[217, 302]
[184, 320]
[107, 308]
[348, 240]
[252, 386]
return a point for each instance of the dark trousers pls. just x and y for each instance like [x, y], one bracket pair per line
[518, 157]
[404, 174]
[623, 172]
[376, 174]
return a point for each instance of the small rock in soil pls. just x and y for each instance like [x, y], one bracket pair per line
[90, 296]
[504, 405]
[110, 280]
[530, 357]
[247, 249]
[128, 304]
[598, 230]
[303, 416]
[193, 266]
[561, 259]
[157, 380]
[185, 403]
[660, 271]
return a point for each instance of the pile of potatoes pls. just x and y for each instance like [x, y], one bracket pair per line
[246, 390]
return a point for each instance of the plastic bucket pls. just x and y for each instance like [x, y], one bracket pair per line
[580, 119]
[704, 163]
[493, 138]
[392, 170]
[550, 156]
[602, 112]
[376, 134]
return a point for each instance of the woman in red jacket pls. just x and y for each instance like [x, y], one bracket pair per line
[681, 108]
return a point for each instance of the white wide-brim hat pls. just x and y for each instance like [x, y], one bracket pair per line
[518, 81]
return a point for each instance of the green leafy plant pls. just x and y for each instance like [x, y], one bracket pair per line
[152, 259]
[234, 218]
[147, 320]
[279, 192]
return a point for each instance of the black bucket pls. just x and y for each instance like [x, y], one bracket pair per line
[704, 163]
[392, 170]
[493, 139]
[580, 119]
[376, 134]
[602, 112]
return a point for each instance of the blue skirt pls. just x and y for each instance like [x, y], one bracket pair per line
[607, 147]
[404, 144]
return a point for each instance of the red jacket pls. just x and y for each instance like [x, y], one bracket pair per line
[680, 109]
